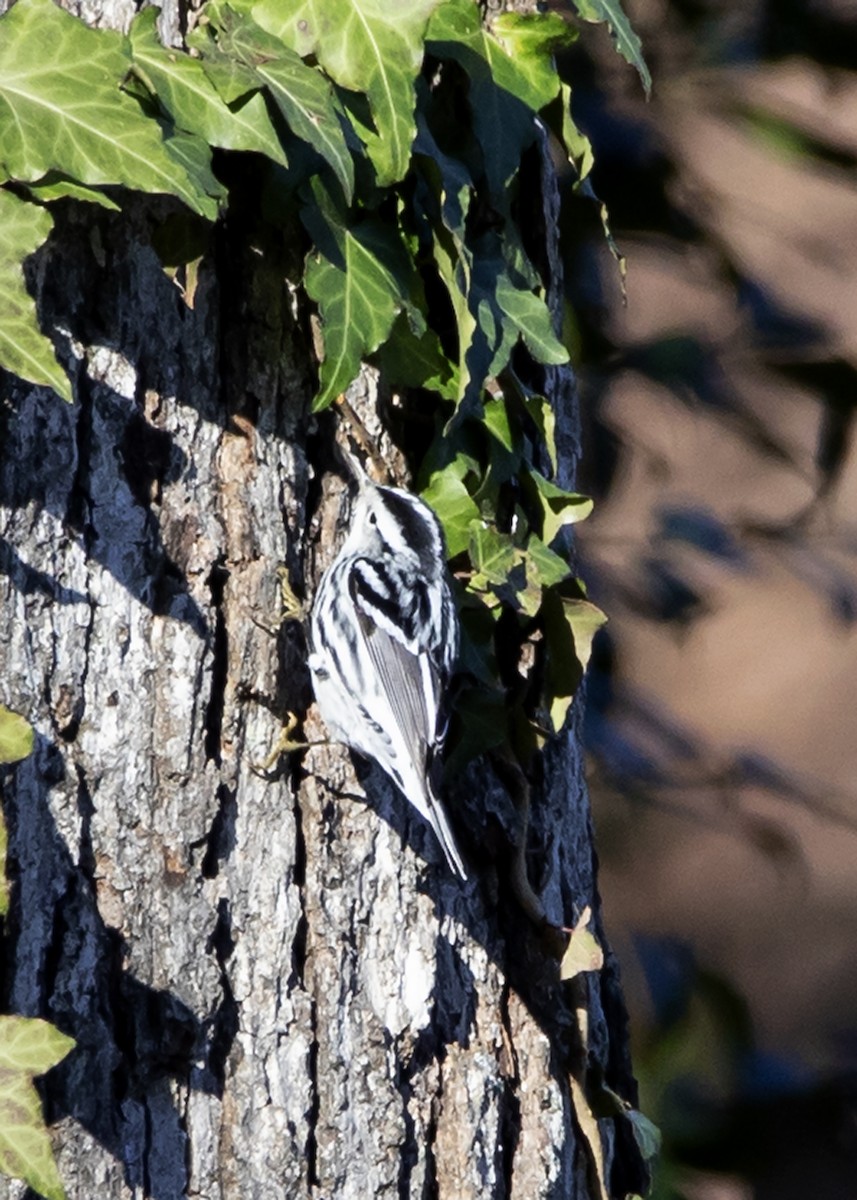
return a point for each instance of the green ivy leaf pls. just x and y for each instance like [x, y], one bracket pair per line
[504, 96]
[191, 99]
[559, 507]
[530, 40]
[368, 46]
[360, 277]
[408, 360]
[28, 1047]
[545, 566]
[24, 349]
[583, 952]
[16, 734]
[493, 554]
[626, 41]
[569, 626]
[61, 108]
[481, 723]
[55, 187]
[302, 94]
[455, 507]
[531, 318]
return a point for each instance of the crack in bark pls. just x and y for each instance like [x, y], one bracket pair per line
[311, 1151]
[213, 723]
[509, 1124]
[222, 1028]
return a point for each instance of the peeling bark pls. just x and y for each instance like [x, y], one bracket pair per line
[276, 987]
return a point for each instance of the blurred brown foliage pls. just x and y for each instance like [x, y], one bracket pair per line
[719, 405]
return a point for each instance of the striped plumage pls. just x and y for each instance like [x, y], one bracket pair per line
[384, 640]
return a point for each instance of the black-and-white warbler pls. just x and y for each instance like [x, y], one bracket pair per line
[384, 640]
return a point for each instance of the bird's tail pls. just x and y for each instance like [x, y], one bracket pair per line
[441, 826]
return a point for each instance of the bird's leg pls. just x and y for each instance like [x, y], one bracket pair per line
[291, 609]
[286, 744]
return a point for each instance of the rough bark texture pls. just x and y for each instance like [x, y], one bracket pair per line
[276, 987]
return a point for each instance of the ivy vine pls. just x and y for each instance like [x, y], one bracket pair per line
[397, 135]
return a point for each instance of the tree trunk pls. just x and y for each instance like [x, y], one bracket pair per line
[276, 986]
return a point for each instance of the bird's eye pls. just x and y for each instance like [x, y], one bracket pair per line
[373, 520]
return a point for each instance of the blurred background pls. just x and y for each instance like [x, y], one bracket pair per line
[722, 701]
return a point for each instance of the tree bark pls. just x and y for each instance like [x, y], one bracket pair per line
[276, 986]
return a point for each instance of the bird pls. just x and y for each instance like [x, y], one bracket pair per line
[384, 638]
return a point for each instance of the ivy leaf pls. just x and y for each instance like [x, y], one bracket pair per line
[62, 109]
[24, 349]
[570, 625]
[481, 723]
[456, 509]
[583, 952]
[28, 1047]
[493, 554]
[191, 99]
[503, 96]
[545, 566]
[530, 40]
[624, 38]
[359, 276]
[559, 507]
[368, 46]
[16, 735]
[409, 360]
[16, 742]
[302, 94]
[55, 187]
[531, 317]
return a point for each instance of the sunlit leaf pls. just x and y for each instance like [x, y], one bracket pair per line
[368, 46]
[24, 349]
[56, 187]
[16, 736]
[62, 108]
[530, 40]
[28, 1047]
[455, 507]
[191, 99]
[559, 507]
[302, 94]
[570, 624]
[583, 952]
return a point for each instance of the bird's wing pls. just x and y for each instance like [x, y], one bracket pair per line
[405, 706]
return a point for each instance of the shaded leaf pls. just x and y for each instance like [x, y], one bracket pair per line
[62, 109]
[367, 46]
[360, 278]
[302, 94]
[503, 96]
[24, 349]
[28, 1047]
